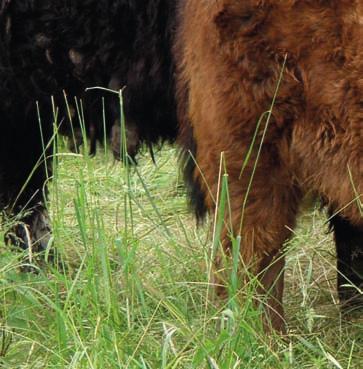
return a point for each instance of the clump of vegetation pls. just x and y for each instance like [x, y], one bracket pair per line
[132, 286]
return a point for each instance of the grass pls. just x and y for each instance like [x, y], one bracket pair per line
[134, 292]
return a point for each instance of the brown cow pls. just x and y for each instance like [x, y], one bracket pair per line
[231, 56]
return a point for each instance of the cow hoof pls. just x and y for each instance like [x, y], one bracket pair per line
[32, 235]
[350, 289]
[351, 297]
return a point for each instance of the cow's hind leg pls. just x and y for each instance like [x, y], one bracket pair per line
[270, 290]
[31, 231]
[268, 218]
[24, 171]
[349, 249]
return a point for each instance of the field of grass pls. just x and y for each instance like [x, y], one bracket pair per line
[133, 286]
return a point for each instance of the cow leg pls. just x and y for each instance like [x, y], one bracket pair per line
[349, 249]
[31, 232]
[132, 144]
[270, 291]
[23, 177]
[268, 218]
[31, 226]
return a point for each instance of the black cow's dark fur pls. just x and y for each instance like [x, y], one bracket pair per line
[51, 46]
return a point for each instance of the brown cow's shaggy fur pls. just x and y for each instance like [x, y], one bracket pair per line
[230, 57]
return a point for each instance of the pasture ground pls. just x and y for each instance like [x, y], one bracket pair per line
[134, 290]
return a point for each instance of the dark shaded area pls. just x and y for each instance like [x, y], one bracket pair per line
[52, 49]
[349, 248]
